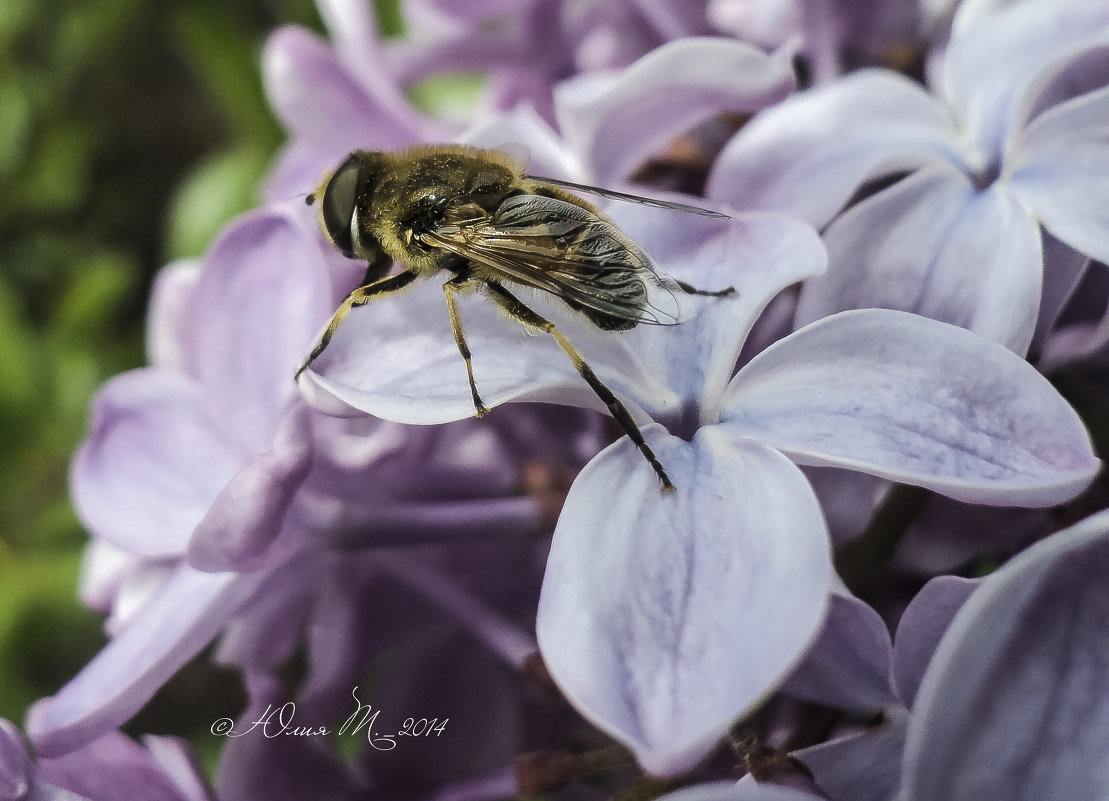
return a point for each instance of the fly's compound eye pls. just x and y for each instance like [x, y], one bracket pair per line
[339, 203]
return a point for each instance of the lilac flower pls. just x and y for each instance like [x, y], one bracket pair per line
[1008, 140]
[107, 769]
[833, 32]
[210, 461]
[996, 685]
[333, 103]
[736, 562]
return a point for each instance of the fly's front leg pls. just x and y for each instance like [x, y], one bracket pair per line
[463, 283]
[359, 297]
[523, 314]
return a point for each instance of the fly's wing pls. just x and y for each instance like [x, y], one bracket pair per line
[569, 251]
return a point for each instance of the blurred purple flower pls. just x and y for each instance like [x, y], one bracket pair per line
[211, 461]
[835, 34]
[109, 768]
[995, 687]
[333, 103]
[1011, 138]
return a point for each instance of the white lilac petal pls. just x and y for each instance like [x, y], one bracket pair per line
[758, 254]
[249, 513]
[154, 460]
[616, 122]
[744, 791]
[139, 585]
[111, 767]
[920, 629]
[917, 401]
[104, 568]
[848, 663]
[321, 101]
[167, 320]
[159, 639]
[15, 765]
[934, 245]
[990, 64]
[380, 363]
[1016, 701]
[665, 616]
[864, 766]
[807, 155]
[1057, 168]
[263, 293]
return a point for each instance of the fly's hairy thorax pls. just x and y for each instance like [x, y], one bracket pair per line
[417, 193]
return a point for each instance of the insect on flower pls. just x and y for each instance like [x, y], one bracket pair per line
[479, 216]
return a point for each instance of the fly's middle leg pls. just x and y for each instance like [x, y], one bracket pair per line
[451, 288]
[518, 311]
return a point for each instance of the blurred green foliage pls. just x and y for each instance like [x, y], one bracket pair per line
[129, 133]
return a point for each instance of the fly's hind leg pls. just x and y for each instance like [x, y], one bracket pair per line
[359, 297]
[463, 283]
[523, 314]
[689, 289]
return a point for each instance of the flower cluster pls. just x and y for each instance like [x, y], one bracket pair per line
[868, 426]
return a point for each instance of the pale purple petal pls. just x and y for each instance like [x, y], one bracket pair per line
[766, 24]
[15, 765]
[617, 122]
[528, 135]
[848, 663]
[757, 254]
[861, 767]
[380, 363]
[112, 767]
[1064, 270]
[1067, 77]
[153, 462]
[716, 593]
[918, 401]
[730, 791]
[935, 246]
[947, 535]
[162, 637]
[250, 512]
[296, 171]
[807, 155]
[254, 766]
[263, 294]
[922, 625]
[1058, 168]
[990, 63]
[180, 764]
[1016, 701]
[674, 19]
[320, 101]
[167, 320]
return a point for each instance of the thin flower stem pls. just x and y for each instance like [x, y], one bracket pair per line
[860, 561]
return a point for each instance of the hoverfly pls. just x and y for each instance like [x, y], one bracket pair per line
[477, 215]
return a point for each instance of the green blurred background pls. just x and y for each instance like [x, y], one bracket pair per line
[131, 131]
